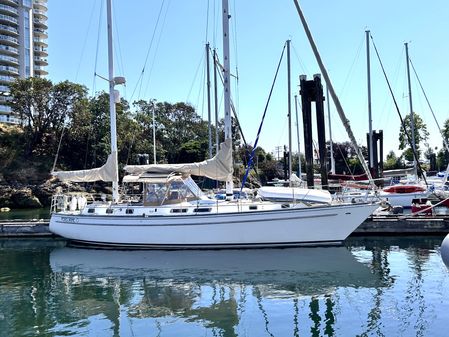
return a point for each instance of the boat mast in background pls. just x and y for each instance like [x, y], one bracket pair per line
[370, 119]
[333, 94]
[227, 88]
[331, 147]
[115, 194]
[209, 118]
[217, 142]
[289, 109]
[297, 136]
[412, 115]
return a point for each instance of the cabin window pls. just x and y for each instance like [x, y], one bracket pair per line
[202, 210]
[178, 210]
[253, 207]
[91, 210]
[109, 211]
[129, 211]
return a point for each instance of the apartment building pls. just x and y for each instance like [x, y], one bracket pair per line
[23, 46]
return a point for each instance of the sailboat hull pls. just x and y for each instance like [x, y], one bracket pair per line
[328, 225]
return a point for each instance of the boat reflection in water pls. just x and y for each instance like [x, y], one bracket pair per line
[373, 287]
[308, 271]
[220, 290]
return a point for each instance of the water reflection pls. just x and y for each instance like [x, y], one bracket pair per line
[372, 287]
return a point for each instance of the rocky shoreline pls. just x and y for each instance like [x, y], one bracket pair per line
[20, 196]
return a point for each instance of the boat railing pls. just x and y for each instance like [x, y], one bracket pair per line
[75, 201]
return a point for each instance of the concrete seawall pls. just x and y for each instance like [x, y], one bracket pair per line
[380, 225]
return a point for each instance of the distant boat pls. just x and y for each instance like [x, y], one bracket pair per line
[298, 194]
[173, 213]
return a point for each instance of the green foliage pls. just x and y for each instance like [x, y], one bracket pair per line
[392, 161]
[43, 108]
[421, 134]
[63, 112]
[346, 160]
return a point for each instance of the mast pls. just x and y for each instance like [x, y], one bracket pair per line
[289, 109]
[154, 134]
[331, 147]
[209, 127]
[334, 96]
[297, 136]
[115, 195]
[370, 120]
[412, 115]
[216, 102]
[227, 88]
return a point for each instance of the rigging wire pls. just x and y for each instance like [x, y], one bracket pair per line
[97, 48]
[301, 63]
[195, 76]
[236, 57]
[85, 39]
[207, 21]
[430, 107]
[420, 170]
[250, 161]
[139, 80]
[351, 69]
[119, 51]
[157, 49]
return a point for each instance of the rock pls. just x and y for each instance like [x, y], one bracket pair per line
[24, 198]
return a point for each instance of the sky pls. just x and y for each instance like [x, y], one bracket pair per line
[159, 47]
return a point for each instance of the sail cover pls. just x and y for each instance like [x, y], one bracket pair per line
[107, 172]
[219, 167]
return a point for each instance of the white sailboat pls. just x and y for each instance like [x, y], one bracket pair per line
[173, 213]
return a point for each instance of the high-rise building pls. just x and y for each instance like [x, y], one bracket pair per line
[23, 46]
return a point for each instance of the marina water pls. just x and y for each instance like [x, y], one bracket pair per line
[369, 287]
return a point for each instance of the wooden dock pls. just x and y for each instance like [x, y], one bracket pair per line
[404, 224]
[25, 228]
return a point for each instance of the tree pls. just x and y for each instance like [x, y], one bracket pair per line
[43, 109]
[421, 134]
[392, 161]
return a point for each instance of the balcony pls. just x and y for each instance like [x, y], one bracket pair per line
[5, 9]
[40, 14]
[9, 59]
[5, 108]
[8, 50]
[40, 33]
[40, 23]
[40, 51]
[40, 42]
[12, 2]
[40, 61]
[40, 71]
[7, 79]
[40, 4]
[11, 119]
[8, 19]
[9, 30]
[9, 40]
[9, 70]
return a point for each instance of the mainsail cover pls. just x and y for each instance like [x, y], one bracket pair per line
[219, 167]
[107, 172]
